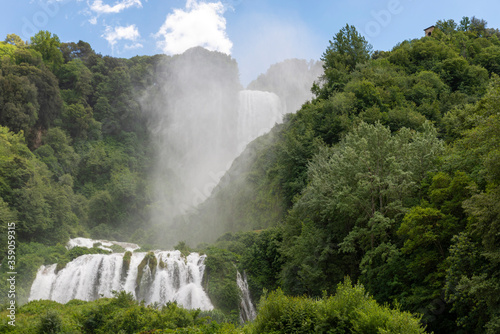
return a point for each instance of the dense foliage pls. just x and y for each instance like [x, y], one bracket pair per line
[121, 314]
[390, 175]
[349, 310]
[79, 115]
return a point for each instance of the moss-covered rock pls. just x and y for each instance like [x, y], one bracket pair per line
[126, 260]
[117, 248]
[61, 265]
[150, 261]
[126, 263]
[219, 280]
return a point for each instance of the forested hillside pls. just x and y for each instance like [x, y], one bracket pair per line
[78, 114]
[390, 176]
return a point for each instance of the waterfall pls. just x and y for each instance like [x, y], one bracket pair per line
[172, 277]
[103, 244]
[247, 310]
[258, 112]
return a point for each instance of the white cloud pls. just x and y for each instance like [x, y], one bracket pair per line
[133, 46]
[100, 8]
[112, 35]
[200, 24]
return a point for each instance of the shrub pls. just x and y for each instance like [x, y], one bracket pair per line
[50, 322]
[350, 310]
[220, 279]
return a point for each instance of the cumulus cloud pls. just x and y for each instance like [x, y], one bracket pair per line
[199, 24]
[100, 8]
[133, 46]
[113, 35]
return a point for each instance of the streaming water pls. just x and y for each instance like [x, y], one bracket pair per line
[247, 310]
[88, 277]
[258, 112]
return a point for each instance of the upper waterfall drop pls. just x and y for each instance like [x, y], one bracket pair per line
[201, 119]
[258, 112]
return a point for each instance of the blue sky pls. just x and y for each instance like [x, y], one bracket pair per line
[257, 33]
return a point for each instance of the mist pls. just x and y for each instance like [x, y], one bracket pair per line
[291, 80]
[192, 109]
[201, 119]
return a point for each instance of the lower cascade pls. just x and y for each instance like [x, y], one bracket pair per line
[155, 277]
[247, 310]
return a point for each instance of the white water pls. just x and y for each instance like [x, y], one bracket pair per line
[247, 310]
[89, 277]
[104, 244]
[258, 112]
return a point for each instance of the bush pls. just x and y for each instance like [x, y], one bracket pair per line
[220, 279]
[350, 310]
[50, 323]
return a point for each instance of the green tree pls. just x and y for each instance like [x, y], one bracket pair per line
[47, 211]
[7, 50]
[81, 50]
[347, 49]
[28, 67]
[355, 194]
[366, 94]
[75, 81]
[78, 121]
[478, 26]
[446, 26]
[459, 75]
[57, 153]
[489, 58]
[13, 39]
[18, 103]
[48, 45]
[262, 261]
[472, 280]
[464, 24]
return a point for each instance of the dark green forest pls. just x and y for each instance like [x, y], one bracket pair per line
[388, 177]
